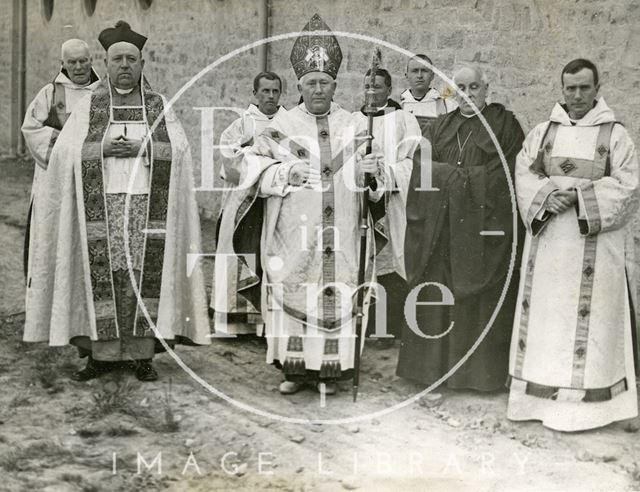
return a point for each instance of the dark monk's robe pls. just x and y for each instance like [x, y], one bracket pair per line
[445, 243]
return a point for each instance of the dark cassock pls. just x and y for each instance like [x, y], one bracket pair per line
[447, 243]
[119, 230]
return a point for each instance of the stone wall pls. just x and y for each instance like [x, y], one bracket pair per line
[181, 42]
[6, 44]
[522, 44]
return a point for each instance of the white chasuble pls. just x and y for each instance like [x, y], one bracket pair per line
[310, 240]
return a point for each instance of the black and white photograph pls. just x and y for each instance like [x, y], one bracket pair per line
[319, 245]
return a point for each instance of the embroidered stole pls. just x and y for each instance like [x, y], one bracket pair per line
[593, 169]
[95, 210]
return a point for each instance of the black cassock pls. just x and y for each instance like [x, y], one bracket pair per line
[444, 244]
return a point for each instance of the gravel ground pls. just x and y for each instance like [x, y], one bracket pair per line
[57, 435]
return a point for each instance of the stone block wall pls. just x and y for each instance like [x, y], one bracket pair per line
[522, 44]
[6, 45]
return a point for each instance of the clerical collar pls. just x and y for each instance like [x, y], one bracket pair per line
[389, 107]
[124, 91]
[474, 113]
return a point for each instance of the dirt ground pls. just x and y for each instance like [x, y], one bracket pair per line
[58, 435]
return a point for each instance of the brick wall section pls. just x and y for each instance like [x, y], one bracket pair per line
[523, 45]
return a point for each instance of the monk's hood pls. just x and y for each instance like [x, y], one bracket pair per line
[62, 78]
[432, 94]
[258, 115]
[599, 114]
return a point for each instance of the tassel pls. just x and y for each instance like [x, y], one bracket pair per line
[330, 369]
[294, 361]
[294, 366]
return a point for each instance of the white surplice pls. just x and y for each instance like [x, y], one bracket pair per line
[225, 301]
[40, 138]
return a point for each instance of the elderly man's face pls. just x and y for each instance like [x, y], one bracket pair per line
[124, 65]
[469, 82]
[317, 90]
[419, 76]
[579, 91]
[76, 61]
[380, 90]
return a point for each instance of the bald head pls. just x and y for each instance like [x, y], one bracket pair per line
[124, 46]
[472, 81]
[76, 61]
[124, 64]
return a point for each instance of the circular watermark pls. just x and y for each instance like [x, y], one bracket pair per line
[357, 418]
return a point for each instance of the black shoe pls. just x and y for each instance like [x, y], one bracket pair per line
[144, 371]
[123, 365]
[91, 371]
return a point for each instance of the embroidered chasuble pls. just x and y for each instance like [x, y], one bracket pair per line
[306, 241]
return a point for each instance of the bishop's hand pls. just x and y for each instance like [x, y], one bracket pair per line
[302, 174]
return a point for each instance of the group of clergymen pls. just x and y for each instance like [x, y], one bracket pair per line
[114, 230]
